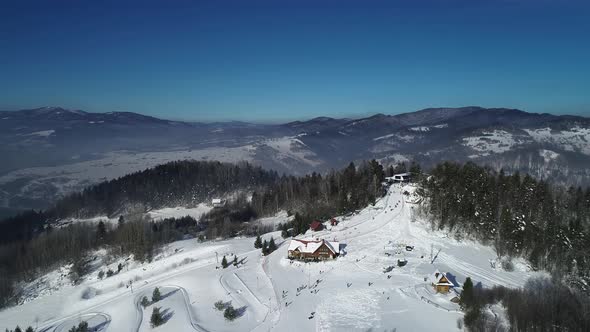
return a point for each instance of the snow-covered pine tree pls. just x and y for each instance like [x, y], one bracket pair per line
[156, 319]
[144, 301]
[156, 296]
[271, 245]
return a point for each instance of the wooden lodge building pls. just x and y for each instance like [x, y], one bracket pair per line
[440, 282]
[313, 250]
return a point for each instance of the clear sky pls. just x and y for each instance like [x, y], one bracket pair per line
[269, 61]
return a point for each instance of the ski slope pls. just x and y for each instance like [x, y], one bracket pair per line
[351, 293]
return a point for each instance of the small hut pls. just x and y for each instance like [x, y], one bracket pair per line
[440, 282]
[316, 226]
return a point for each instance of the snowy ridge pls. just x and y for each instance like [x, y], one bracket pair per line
[575, 139]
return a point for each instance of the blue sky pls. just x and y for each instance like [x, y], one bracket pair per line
[269, 61]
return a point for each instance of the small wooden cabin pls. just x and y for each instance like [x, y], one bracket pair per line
[316, 226]
[440, 282]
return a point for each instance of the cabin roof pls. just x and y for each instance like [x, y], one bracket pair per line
[315, 224]
[440, 279]
[311, 246]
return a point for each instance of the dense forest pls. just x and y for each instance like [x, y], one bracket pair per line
[172, 184]
[518, 215]
[308, 197]
[542, 304]
[321, 197]
[180, 183]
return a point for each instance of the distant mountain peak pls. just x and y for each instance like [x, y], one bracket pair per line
[55, 109]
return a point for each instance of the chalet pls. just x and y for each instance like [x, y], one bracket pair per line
[217, 202]
[440, 282]
[316, 226]
[333, 222]
[313, 250]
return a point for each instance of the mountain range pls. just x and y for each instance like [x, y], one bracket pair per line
[51, 151]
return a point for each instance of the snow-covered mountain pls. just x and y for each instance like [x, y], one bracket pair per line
[51, 151]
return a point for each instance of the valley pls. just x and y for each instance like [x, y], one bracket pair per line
[52, 151]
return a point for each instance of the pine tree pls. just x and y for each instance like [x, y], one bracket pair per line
[224, 262]
[17, 329]
[219, 305]
[121, 221]
[467, 296]
[29, 329]
[271, 245]
[101, 230]
[230, 313]
[258, 242]
[156, 319]
[145, 302]
[265, 248]
[235, 261]
[415, 170]
[119, 267]
[83, 326]
[156, 296]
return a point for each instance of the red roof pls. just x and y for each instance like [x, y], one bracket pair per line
[316, 225]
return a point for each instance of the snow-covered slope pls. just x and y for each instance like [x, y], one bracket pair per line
[351, 293]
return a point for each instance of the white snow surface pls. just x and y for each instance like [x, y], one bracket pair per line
[179, 212]
[43, 133]
[420, 128]
[280, 218]
[575, 139]
[350, 293]
[496, 141]
[548, 155]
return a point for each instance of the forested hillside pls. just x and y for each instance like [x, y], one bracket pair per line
[519, 215]
[321, 197]
[39, 246]
[171, 184]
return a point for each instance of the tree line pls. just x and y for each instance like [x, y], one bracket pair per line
[541, 305]
[518, 215]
